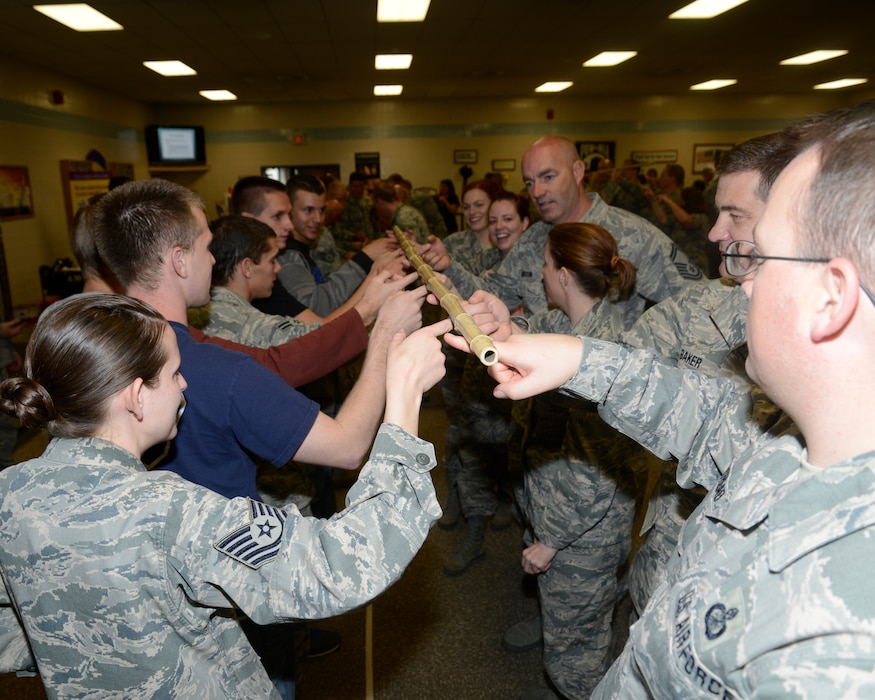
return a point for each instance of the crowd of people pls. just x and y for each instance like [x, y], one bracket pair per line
[705, 373]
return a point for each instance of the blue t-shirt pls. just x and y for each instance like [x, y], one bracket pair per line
[235, 409]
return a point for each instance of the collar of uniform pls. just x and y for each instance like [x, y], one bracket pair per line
[803, 512]
[91, 451]
[227, 296]
[730, 315]
[821, 508]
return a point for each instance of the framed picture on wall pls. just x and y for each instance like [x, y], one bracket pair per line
[708, 155]
[16, 199]
[507, 164]
[593, 152]
[465, 156]
[654, 157]
[368, 163]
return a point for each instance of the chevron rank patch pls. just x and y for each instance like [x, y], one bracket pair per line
[257, 542]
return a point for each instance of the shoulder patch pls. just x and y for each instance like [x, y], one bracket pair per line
[257, 541]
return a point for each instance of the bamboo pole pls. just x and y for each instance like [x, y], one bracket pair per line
[481, 344]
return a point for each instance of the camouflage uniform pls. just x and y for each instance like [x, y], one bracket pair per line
[425, 204]
[628, 195]
[409, 219]
[766, 595]
[126, 579]
[326, 253]
[663, 269]
[694, 240]
[578, 497]
[231, 317]
[469, 427]
[297, 276]
[702, 328]
[356, 220]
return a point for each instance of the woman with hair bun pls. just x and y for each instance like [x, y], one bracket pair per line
[578, 490]
[127, 582]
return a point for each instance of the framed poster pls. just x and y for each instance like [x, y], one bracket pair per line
[708, 155]
[368, 163]
[504, 164]
[593, 152]
[464, 156]
[654, 157]
[16, 199]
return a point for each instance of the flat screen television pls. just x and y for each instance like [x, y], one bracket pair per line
[175, 145]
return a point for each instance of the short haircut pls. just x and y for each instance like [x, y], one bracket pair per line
[677, 173]
[236, 238]
[384, 191]
[767, 155]
[358, 177]
[304, 183]
[84, 350]
[248, 195]
[137, 223]
[836, 218]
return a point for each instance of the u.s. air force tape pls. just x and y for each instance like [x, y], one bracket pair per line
[258, 541]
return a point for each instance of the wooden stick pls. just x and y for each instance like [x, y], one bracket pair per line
[481, 344]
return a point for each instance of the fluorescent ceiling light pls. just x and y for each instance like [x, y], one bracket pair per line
[402, 10]
[393, 61]
[218, 95]
[806, 59]
[843, 83]
[713, 84]
[609, 58]
[556, 86]
[170, 68]
[388, 89]
[79, 16]
[705, 9]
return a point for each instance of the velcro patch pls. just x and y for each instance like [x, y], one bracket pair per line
[257, 542]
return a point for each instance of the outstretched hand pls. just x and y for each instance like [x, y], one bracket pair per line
[529, 365]
[415, 365]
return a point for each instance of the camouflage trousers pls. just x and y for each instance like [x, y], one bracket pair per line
[485, 426]
[578, 594]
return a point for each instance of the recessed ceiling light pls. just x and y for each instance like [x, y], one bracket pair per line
[843, 83]
[806, 59]
[713, 84]
[383, 90]
[402, 10]
[609, 58]
[218, 95]
[393, 61]
[170, 68]
[705, 9]
[555, 86]
[79, 16]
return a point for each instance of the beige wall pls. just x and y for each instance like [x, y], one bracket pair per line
[414, 138]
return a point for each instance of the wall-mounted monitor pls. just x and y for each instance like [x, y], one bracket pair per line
[175, 145]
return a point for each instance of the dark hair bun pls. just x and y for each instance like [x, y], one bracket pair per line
[28, 401]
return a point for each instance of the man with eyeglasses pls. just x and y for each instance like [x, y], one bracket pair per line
[768, 593]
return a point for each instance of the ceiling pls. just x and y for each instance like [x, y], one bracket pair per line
[315, 50]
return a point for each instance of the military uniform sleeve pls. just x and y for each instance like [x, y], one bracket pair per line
[309, 357]
[277, 565]
[674, 413]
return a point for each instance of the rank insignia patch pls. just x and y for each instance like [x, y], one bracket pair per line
[257, 542]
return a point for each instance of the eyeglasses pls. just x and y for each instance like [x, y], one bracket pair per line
[741, 259]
